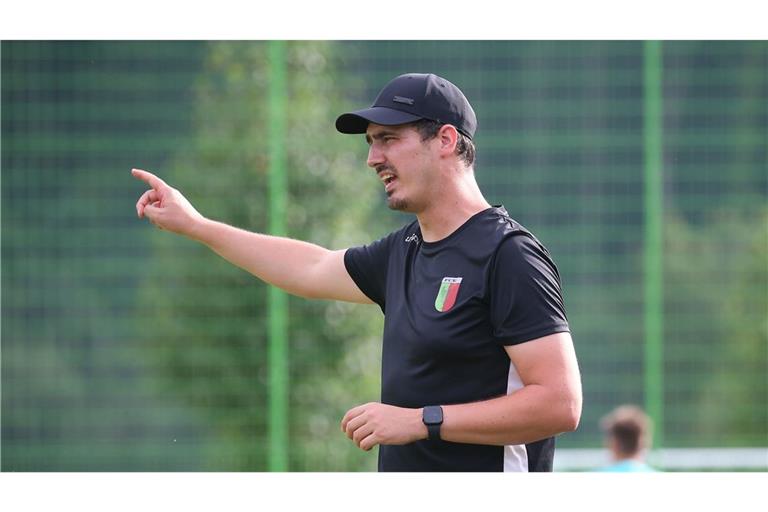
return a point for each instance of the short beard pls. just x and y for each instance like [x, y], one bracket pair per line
[400, 205]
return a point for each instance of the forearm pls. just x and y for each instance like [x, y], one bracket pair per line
[282, 262]
[300, 268]
[529, 414]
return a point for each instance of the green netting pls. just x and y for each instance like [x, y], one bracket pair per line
[125, 348]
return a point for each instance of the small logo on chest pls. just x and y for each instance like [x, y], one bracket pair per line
[446, 297]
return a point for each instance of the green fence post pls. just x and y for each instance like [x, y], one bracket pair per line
[277, 307]
[654, 238]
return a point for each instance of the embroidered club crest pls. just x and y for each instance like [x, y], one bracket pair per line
[446, 297]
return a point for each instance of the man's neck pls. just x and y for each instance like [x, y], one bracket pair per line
[456, 203]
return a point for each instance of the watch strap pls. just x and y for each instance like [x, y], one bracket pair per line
[434, 432]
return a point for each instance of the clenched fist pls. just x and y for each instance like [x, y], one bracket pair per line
[166, 207]
[375, 423]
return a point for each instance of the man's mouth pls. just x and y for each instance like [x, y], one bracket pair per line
[388, 179]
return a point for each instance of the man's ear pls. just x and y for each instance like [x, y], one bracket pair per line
[448, 137]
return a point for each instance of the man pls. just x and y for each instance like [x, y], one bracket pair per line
[627, 436]
[478, 367]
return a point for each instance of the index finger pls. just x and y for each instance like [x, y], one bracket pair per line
[150, 178]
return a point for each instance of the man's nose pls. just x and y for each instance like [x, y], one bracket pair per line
[375, 156]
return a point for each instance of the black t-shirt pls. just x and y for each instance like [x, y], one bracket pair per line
[450, 307]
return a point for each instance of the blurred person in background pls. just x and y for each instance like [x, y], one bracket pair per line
[628, 433]
[478, 367]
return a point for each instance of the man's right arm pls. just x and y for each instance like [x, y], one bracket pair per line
[300, 268]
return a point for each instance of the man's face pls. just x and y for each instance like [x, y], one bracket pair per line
[403, 163]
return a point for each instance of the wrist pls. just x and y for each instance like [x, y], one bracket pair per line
[421, 429]
[199, 229]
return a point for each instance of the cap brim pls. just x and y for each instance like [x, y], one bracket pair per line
[357, 121]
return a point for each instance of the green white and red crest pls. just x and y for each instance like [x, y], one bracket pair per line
[446, 297]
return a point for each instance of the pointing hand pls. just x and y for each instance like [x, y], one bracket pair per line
[165, 206]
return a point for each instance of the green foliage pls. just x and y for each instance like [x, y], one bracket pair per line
[743, 371]
[208, 319]
[716, 334]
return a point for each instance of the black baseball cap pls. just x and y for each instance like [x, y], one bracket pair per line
[411, 97]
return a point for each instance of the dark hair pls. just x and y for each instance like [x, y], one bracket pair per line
[630, 427]
[465, 148]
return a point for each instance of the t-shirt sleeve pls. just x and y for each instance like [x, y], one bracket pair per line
[367, 266]
[526, 300]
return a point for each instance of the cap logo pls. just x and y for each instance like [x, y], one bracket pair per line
[400, 99]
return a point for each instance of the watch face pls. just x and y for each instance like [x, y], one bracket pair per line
[433, 415]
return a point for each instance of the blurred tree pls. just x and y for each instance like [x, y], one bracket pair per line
[716, 244]
[716, 343]
[741, 382]
[206, 320]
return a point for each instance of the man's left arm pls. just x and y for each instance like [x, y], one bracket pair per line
[549, 403]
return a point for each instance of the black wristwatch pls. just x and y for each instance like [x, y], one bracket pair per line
[432, 416]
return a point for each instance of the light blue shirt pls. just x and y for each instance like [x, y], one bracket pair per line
[628, 466]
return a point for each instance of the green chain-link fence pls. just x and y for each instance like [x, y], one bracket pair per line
[642, 166]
